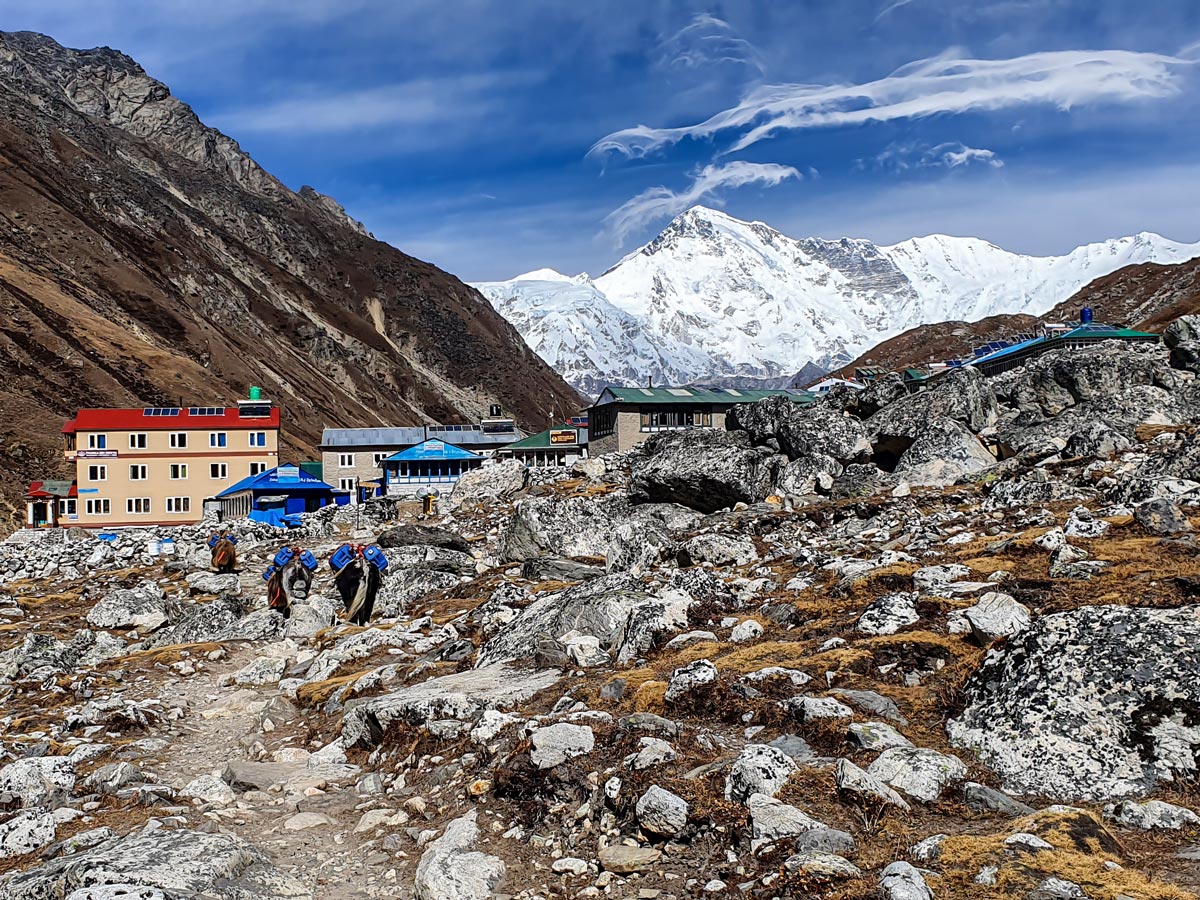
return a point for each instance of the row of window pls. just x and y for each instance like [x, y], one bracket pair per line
[177, 439]
[668, 419]
[177, 471]
[346, 460]
[102, 506]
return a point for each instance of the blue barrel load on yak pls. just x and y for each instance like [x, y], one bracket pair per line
[358, 573]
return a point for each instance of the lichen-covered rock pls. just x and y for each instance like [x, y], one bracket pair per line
[555, 744]
[498, 481]
[450, 870]
[918, 772]
[889, 613]
[1152, 815]
[662, 813]
[179, 863]
[1161, 516]
[1099, 703]
[689, 679]
[705, 469]
[901, 881]
[760, 769]
[143, 607]
[35, 780]
[856, 782]
[995, 616]
[773, 820]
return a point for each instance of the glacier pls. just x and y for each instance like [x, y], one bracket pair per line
[716, 300]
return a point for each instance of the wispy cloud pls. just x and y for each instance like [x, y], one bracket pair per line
[658, 203]
[946, 84]
[419, 102]
[705, 41]
[950, 155]
[891, 7]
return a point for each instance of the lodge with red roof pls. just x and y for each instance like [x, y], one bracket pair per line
[155, 465]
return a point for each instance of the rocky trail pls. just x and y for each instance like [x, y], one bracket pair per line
[889, 646]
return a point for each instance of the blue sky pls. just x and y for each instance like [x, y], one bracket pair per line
[492, 138]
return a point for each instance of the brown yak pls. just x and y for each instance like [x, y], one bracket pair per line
[224, 553]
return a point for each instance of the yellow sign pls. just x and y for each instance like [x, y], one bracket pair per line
[563, 436]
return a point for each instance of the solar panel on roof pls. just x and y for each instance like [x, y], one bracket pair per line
[647, 392]
[679, 392]
[206, 410]
[734, 391]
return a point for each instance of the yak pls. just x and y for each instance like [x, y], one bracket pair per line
[288, 584]
[358, 583]
[224, 552]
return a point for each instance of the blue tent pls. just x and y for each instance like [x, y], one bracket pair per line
[277, 494]
[430, 463]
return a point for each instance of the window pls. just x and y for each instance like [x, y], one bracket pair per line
[674, 419]
[98, 507]
[605, 422]
[178, 471]
[345, 460]
[138, 473]
[97, 441]
[377, 458]
[137, 441]
[137, 506]
[178, 440]
[258, 439]
[67, 507]
[179, 504]
[97, 473]
[257, 468]
[218, 470]
[346, 484]
[218, 439]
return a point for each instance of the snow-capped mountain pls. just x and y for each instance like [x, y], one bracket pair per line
[713, 298]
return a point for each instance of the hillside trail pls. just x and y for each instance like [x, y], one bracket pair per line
[300, 816]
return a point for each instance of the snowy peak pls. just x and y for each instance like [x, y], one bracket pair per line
[715, 299]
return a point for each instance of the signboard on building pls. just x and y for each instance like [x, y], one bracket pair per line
[287, 473]
[97, 454]
[560, 436]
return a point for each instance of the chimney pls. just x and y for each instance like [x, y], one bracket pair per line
[649, 381]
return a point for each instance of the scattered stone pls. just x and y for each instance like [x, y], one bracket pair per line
[760, 769]
[555, 744]
[662, 813]
[450, 870]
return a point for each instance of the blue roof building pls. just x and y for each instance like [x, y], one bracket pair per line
[991, 360]
[433, 464]
[277, 495]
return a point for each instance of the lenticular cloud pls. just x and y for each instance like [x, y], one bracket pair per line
[945, 84]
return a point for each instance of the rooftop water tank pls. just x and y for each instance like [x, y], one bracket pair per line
[255, 393]
[1085, 315]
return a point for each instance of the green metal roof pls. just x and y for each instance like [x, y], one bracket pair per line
[541, 440]
[690, 395]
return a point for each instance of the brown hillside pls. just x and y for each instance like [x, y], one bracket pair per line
[145, 259]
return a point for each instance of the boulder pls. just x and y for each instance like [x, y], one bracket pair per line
[624, 860]
[1152, 815]
[704, 469]
[801, 431]
[996, 616]
[450, 870]
[773, 820]
[918, 772]
[555, 744]
[821, 866]
[760, 769]
[27, 832]
[143, 607]
[964, 395]
[852, 780]
[662, 813]
[807, 475]
[411, 535]
[877, 736]
[214, 583]
[402, 588]
[939, 452]
[179, 863]
[206, 622]
[1161, 516]
[902, 881]
[1094, 704]
[34, 781]
[689, 679]
[499, 481]
[889, 613]
[717, 549]
[600, 607]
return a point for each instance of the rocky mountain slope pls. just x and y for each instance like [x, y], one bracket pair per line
[713, 298]
[886, 646]
[1146, 297]
[145, 259]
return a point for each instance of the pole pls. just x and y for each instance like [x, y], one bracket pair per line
[357, 503]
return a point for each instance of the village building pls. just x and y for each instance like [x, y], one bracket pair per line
[351, 457]
[49, 504]
[561, 446]
[432, 465]
[623, 417]
[277, 496]
[996, 359]
[825, 385]
[157, 465]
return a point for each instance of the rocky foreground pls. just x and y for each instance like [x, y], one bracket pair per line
[890, 646]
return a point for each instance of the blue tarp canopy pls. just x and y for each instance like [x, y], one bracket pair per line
[284, 480]
[432, 450]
